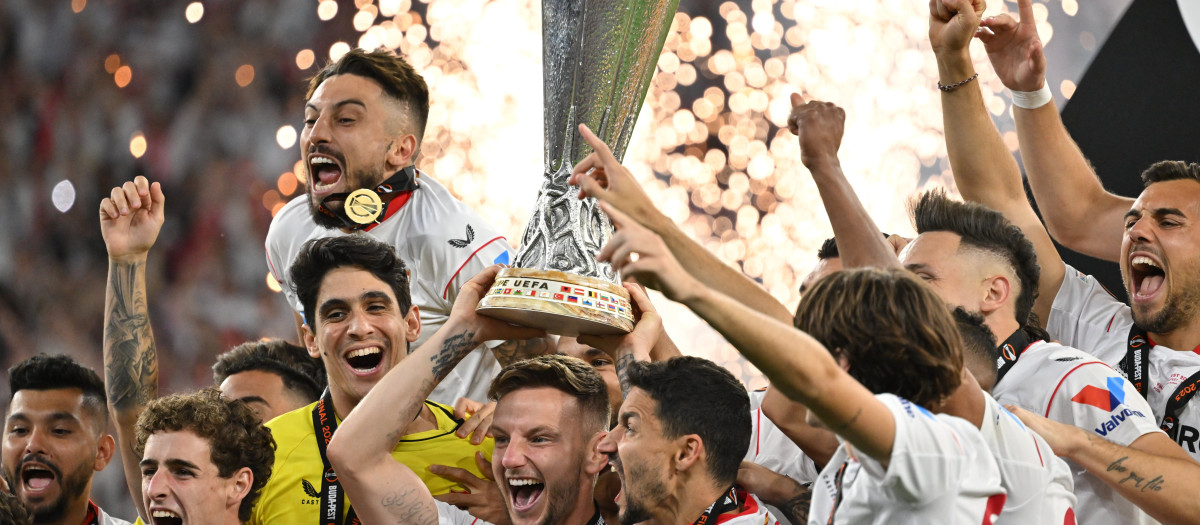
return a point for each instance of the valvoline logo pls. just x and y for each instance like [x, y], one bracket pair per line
[1109, 400]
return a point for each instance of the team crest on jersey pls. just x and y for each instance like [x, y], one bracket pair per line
[463, 243]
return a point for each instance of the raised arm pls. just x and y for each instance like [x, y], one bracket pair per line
[796, 364]
[130, 219]
[383, 489]
[984, 170]
[1152, 472]
[599, 175]
[1078, 211]
[819, 125]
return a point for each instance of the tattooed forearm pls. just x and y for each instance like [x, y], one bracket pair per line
[623, 363]
[517, 349]
[408, 507]
[453, 350]
[796, 508]
[130, 360]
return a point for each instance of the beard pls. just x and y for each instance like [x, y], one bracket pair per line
[70, 488]
[636, 511]
[1178, 310]
[363, 178]
[560, 498]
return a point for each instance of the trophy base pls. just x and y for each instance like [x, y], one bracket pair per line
[559, 303]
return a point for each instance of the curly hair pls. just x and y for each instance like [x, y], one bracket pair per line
[565, 373]
[988, 231]
[896, 333]
[318, 257]
[55, 372]
[302, 374]
[233, 431]
[395, 75]
[12, 511]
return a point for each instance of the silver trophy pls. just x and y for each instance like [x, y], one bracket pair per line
[598, 57]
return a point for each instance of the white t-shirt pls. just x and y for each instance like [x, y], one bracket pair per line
[771, 448]
[1038, 483]
[450, 515]
[1089, 318]
[940, 471]
[442, 242]
[1069, 386]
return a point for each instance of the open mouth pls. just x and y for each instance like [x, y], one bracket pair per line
[165, 517]
[365, 360]
[325, 172]
[36, 479]
[525, 493]
[1147, 276]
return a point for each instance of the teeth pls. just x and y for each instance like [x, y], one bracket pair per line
[1142, 259]
[364, 351]
[322, 160]
[164, 514]
[523, 482]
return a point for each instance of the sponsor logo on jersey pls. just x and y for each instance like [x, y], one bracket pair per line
[310, 491]
[463, 243]
[1110, 400]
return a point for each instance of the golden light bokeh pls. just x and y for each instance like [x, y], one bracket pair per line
[111, 63]
[337, 50]
[327, 9]
[123, 76]
[287, 184]
[194, 12]
[244, 75]
[305, 58]
[137, 145]
[286, 137]
[273, 284]
[78, 6]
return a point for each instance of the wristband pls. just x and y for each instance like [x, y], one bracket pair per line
[1032, 99]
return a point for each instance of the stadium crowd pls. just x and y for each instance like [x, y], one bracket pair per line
[966, 375]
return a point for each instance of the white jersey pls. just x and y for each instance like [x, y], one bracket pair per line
[450, 515]
[1069, 386]
[940, 471]
[442, 242]
[771, 448]
[1089, 318]
[1038, 483]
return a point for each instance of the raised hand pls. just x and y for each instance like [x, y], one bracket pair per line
[131, 217]
[952, 23]
[484, 500]
[1015, 49]
[599, 175]
[641, 254]
[819, 125]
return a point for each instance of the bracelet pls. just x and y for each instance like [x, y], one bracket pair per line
[956, 85]
[1032, 99]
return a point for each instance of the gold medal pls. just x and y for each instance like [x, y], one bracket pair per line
[363, 206]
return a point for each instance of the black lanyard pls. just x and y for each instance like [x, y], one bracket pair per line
[1010, 351]
[1136, 364]
[837, 494]
[727, 502]
[332, 495]
[1179, 399]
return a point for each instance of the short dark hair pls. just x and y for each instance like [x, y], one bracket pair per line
[695, 396]
[1165, 170]
[301, 373]
[896, 333]
[55, 372]
[12, 511]
[321, 256]
[396, 76]
[979, 342]
[562, 372]
[233, 432]
[984, 229]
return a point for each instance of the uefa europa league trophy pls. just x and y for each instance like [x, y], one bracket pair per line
[597, 60]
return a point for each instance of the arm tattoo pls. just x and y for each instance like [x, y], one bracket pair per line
[406, 506]
[797, 507]
[130, 359]
[623, 363]
[515, 350]
[453, 350]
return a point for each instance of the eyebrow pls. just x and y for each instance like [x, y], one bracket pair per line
[1157, 212]
[53, 417]
[170, 463]
[253, 399]
[309, 105]
[914, 267]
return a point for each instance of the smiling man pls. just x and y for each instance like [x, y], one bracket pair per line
[360, 323]
[364, 119]
[205, 459]
[55, 437]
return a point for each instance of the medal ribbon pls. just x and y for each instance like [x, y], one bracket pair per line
[398, 184]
